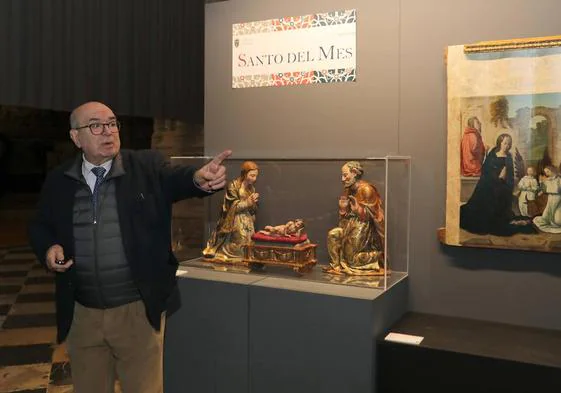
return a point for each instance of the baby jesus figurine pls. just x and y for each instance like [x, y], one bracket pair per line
[290, 229]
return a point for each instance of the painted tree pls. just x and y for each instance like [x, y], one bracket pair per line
[499, 112]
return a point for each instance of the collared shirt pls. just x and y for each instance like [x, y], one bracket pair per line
[89, 175]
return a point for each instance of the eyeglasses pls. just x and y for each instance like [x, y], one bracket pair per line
[97, 128]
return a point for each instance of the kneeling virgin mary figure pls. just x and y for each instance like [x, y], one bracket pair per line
[237, 217]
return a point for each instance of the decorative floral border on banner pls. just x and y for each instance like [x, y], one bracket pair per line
[332, 76]
[293, 78]
[335, 18]
[296, 78]
[253, 81]
[295, 23]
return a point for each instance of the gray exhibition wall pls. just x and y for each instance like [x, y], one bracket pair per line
[397, 106]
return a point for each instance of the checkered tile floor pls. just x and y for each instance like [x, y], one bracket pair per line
[30, 360]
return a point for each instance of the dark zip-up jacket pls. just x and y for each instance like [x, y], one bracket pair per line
[145, 194]
[103, 274]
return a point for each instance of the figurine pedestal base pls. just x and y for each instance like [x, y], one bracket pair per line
[252, 333]
[299, 258]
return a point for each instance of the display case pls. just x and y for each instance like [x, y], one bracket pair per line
[310, 190]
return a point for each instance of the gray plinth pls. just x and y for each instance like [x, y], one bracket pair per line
[206, 342]
[317, 341]
[239, 333]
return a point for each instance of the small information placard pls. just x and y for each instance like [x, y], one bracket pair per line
[181, 273]
[404, 338]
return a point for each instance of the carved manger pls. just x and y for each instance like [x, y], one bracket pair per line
[288, 251]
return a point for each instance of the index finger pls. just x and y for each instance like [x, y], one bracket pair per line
[221, 157]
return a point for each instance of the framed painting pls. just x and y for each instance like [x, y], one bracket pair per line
[504, 146]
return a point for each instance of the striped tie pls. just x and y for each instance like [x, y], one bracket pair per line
[98, 171]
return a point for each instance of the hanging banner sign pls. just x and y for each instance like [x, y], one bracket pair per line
[301, 50]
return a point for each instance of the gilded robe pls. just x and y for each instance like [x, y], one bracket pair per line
[235, 225]
[357, 245]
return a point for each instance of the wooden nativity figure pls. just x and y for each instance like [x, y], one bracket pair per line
[293, 228]
[235, 227]
[356, 246]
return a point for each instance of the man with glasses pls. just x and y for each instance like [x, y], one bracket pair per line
[104, 226]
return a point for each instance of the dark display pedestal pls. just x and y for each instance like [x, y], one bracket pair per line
[206, 341]
[316, 339]
[239, 333]
[460, 355]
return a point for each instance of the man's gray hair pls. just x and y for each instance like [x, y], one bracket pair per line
[73, 119]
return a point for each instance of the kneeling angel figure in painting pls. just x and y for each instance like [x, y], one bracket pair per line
[528, 188]
[550, 220]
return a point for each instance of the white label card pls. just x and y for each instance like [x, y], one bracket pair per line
[404, 338]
